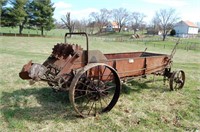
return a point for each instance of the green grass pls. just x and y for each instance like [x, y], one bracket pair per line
[144, 105]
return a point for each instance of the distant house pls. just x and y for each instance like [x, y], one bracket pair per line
[111, 27]
[186, 29]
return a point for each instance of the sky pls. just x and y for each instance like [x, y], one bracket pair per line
[80, 9]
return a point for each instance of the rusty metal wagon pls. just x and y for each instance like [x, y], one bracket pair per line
[94, 79]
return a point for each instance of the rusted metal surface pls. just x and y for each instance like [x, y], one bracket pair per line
[139, 63]
[66, 57]
[90, 74]
[24, 74]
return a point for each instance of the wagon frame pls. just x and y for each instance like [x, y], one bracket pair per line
[94, 79]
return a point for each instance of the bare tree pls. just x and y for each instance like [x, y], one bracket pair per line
[155, 26]
[101, 18]
[166, 18]
[68, 23]
[120, 16]
[81, 25]
[91, 26]
[143, 27]
[136, 20]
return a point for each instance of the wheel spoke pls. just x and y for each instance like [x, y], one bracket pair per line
[85, 85]
[88, 101]
[175, 87]
[108, 88]
[100, 102]
[181, 81]
[179, 75]
[91, 108]
[105, 100]
[82, 90]
[99, 76]
[108, 76]
[103, 73]
[82, 96]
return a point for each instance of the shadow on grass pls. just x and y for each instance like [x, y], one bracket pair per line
[36, 105]
[39, 104]
[138, 86]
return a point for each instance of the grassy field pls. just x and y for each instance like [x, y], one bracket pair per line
[53, 32]
[143, 105]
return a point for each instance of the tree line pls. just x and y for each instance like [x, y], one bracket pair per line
[163, 20]
[39, 13]
[100, 19]
[29, 13]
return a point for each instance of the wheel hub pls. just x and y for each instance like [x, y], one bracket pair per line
[97, 89]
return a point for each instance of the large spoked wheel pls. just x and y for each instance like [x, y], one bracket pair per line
[177, 80]
[95, 89]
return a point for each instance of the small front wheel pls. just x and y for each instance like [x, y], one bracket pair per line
[177, 80]
[95, 89]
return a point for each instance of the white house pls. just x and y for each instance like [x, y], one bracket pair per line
[186, 29]
[112, 26]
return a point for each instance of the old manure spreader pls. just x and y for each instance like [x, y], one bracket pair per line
[93, 79]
